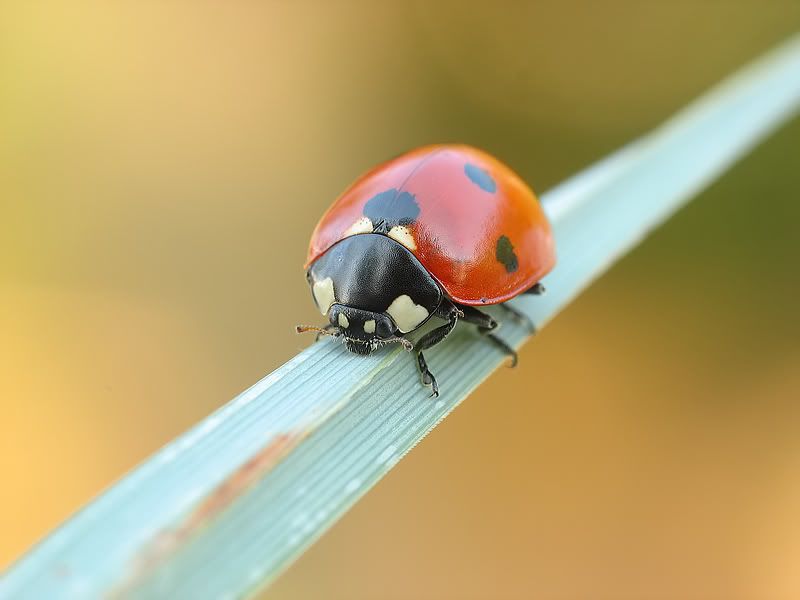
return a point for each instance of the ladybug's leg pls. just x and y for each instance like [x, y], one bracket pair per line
[520, 317]
[536, 288]
[486, 324]
[430, 339]
[427, 376]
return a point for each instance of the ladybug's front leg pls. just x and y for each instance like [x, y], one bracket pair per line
[430, 339]
[427, 376]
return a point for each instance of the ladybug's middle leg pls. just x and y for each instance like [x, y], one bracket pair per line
[486, 325]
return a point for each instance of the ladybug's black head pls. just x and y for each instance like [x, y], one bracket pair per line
[373, 290]
[363, 330]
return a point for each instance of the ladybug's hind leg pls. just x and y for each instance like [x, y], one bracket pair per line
[536, 289]
[433, 337]
[520, 317]
[486, 325]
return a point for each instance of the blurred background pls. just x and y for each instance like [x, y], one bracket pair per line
[162, 165]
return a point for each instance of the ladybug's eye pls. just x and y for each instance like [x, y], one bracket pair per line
[384, 329]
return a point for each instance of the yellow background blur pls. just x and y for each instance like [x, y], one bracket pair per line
[163, 163]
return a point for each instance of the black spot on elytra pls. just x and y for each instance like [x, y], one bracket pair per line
[505, 254]
[391, 208]
[481, 178]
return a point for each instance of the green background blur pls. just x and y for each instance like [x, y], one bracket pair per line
[162, 165]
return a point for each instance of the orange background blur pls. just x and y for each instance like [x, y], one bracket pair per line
[163, 163]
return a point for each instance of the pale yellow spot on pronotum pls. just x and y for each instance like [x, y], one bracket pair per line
[363, 225]
[407, 315]
[369, 326]
[323, 294]
[402, 234]
[343, 322]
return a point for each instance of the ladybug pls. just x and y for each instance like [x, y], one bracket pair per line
[436, 232]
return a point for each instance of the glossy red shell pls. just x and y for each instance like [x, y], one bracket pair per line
[468, 201]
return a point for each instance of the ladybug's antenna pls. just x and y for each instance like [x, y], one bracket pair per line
[318, 330]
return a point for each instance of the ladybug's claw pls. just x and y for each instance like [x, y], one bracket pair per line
[406, 344]
[431, 382]
[427, 377]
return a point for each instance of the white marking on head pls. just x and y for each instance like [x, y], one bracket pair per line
[407, 315]
[343, 322]
[323, 294]
[363, 225]
[369, 326]
[402, 234]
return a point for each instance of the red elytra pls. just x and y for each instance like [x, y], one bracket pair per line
[480, 231]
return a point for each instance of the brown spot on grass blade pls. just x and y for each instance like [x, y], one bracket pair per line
[226, 492]
[171, 540]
